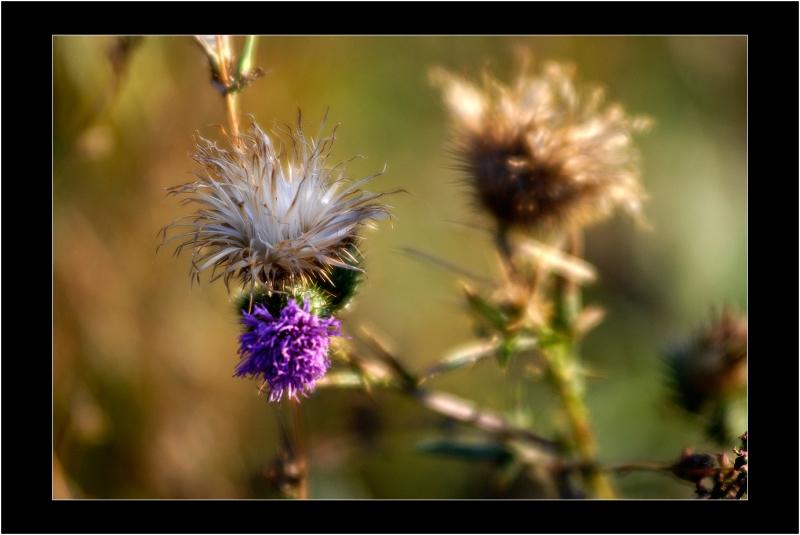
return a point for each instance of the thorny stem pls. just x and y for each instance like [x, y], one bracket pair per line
[562, 359]
[231, 97]
[566, 377]
[569, 387]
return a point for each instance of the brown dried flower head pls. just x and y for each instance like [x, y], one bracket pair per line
[542, 152]
[713, 363]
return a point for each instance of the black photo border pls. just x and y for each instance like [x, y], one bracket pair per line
[772, 30]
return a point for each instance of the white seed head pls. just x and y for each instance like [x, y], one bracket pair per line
[272, 217]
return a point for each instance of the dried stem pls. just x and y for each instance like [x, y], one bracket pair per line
[231, 97]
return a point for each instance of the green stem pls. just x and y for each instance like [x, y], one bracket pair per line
[248, 56]
[568, 383]
[567, 378]
[568, 292]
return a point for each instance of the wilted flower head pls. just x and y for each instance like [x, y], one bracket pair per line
[270, 217]
[289, 352]
[543, 152]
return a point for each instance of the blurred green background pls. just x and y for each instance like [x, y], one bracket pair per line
[145, 404]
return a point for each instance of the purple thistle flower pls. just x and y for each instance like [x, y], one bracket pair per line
[290, 352]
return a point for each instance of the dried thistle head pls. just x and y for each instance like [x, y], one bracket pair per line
[543, 152]
[712, 364]
[270, 217]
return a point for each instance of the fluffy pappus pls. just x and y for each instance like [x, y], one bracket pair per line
[270, 216]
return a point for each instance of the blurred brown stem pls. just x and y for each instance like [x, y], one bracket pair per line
[300, 450]
[621, 468]
[638, 467]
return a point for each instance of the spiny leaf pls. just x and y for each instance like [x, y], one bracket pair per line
[485, 310]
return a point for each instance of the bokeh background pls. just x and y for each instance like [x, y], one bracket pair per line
[145, 405]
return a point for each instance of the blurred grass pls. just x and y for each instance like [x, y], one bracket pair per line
[145, 402]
